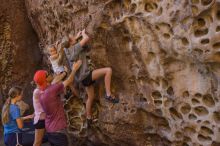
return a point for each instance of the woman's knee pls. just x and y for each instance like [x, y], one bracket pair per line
[109, 70]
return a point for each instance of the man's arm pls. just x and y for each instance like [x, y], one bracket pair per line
[57, 79]
[70, 79]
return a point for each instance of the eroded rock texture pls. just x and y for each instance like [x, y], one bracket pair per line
[19, 51]
[166, 64]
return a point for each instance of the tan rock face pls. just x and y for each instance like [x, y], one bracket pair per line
[19, 52]
[165, 59]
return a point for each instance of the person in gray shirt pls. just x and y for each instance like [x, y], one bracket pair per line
[75, 51]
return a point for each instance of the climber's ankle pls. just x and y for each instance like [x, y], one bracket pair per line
[108, 94]
[89, 117]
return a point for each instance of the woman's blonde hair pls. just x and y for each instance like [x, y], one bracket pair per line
[13, 92]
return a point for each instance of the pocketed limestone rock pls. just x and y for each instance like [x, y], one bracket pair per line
[165, 59]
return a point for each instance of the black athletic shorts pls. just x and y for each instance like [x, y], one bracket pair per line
[40, 124]
[88, 80]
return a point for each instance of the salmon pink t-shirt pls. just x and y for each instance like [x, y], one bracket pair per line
[52, 104]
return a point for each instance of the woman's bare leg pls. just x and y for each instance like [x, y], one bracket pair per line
[89, 102]
[107, 73]
[39, 134]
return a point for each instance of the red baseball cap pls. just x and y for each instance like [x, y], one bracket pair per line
[40, 78]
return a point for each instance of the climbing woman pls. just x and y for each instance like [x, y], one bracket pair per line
[86, 76]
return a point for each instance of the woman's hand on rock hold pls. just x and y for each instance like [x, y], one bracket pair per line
[78, 35]
[83, 32]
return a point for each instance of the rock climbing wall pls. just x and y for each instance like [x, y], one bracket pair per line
[19, 51]
[165, 57]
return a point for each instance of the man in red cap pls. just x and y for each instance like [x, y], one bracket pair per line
[50, 100]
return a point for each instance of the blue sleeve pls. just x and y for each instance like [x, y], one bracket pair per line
[15, 112]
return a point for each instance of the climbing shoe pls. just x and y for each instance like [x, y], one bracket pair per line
[111, 99]
[91, 122]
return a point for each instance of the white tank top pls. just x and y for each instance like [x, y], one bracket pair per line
[56, 67]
